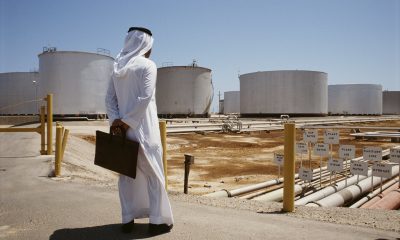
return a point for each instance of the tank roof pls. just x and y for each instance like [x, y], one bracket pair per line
[170, 67]
[282, 71]
[78, 52]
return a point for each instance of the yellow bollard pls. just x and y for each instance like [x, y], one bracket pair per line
[49, 100]
[64, 142]
[57, 168]
[163, 135]
[289, 167]
[42, 131]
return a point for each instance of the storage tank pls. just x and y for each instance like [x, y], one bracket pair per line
[78, 80]
[292, 92]
[18, 90]
[355, 99]
[231, 102]
[184, 91]
[391, 102]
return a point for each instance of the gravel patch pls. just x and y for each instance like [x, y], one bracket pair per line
[388, 220]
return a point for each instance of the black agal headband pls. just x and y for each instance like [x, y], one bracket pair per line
[145, 30]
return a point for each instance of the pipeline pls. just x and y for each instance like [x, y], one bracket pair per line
[389, 202]
[350, 193]
[370, 197]
[243, 190]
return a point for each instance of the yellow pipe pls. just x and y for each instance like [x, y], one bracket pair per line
[163, 135]
[37, 129]
[64, 142]
[289, 167]
[57, 167]
[42, 131]
[49, 100]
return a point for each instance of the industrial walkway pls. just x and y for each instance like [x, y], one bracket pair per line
[33, 206]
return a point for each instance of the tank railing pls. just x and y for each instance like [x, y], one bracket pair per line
[41, 128]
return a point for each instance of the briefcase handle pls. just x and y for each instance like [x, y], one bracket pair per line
[122, 130]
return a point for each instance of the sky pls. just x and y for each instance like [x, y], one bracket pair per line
[354, 41]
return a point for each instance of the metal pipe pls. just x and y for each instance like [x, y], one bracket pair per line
[369, 199]
[243, 190]
[163, 135]
[277, 195]
[37, 129]
[389, 202]
[329, 190]
[350, 193]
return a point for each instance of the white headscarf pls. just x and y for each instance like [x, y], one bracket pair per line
[137, 43]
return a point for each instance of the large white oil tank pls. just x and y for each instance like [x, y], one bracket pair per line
[292, 92]
[184, 91]
[78, 80]
[391, 102]
[355, 99]
[231, 102]
[18, 91]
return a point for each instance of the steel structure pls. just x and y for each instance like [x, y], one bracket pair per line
[355, 99]
[79, 81]
[18, 91]
[184, 91]
[231, 102]
[391, 102]
[291, 92]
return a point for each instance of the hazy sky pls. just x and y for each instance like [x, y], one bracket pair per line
[354, 41]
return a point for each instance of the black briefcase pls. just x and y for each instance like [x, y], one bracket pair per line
[116, 153]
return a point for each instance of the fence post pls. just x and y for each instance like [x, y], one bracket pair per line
[49, 100]
[289, 167]
[42, 131]
[189, 160]
[57, 168]
[163, 135]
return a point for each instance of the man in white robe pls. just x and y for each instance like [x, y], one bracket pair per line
[131, 104]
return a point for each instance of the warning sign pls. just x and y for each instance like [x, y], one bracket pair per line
[301, 148]
[310, 136]
[331, 137]
[372, 153]
[278, 158]
[359, 168]
[347, 151]
[321, 149]
[335, 165]
[305, 174]
[395, 155]
[382, 170]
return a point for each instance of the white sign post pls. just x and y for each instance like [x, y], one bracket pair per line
[359, 168]
[301, 147]
[382, 170]
[373, 154]
[395, 157]
[331, 137]
[347, 152]
[278, 158]
[321, 149]
[305, 174]
[310, 136]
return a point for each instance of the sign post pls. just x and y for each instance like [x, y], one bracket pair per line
[373, 154]
[347, 152]
[395, 157]
[331, 137]
[321, 149]
[278, 158]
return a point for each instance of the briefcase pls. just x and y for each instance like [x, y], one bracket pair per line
[116, 153]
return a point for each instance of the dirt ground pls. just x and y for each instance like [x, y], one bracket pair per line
[233, 160]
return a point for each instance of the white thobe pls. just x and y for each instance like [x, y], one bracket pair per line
[131, 98]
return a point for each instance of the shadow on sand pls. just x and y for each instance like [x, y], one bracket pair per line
[105, 232]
